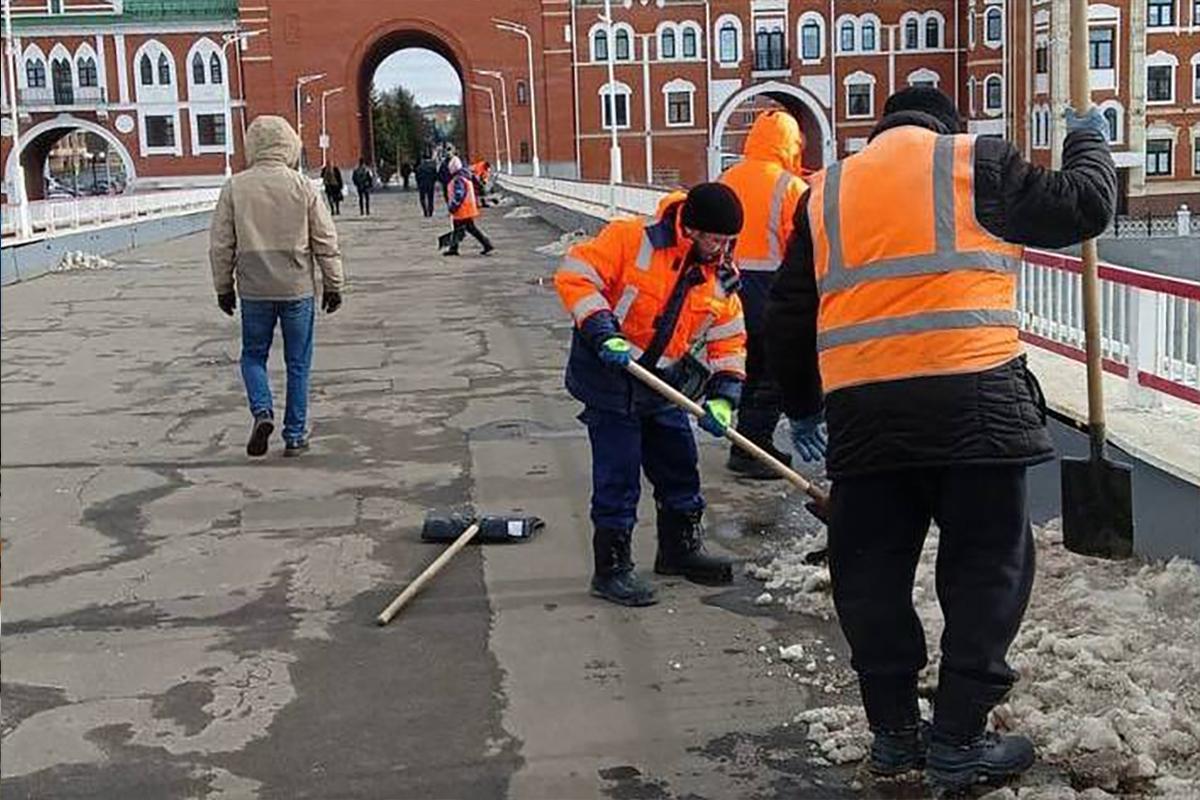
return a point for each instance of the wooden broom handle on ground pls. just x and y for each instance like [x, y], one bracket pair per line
[425, 577]
[1081, 99]
[695, 409]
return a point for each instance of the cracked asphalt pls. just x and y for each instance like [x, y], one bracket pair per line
[183, 622]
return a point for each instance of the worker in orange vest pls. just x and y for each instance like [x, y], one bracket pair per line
[464, 208]
[656, 292]
[482, 171]
[768, 184]
[895, 312]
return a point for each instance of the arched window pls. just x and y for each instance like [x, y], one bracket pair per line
[146, 70]
[690, 39]
[666, 43]
[810, 40]
[60, 77]
[86, 70]
[522, 93]
[215, 72]
[1113, 133]
[869, 35]
[912, 35]
[933, 33]
[993, 93]
[621, 37]
[993, 25]
[198, 72]
[35, 73]
[600, 45]
[727, 44]
[164, 69]
[846, 37]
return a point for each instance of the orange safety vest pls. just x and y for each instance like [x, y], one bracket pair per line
[469, 208]
[623, 272]
[911, 284]
[772, 151]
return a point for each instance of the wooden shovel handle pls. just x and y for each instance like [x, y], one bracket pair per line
[1081, 99]
[695, 409]
[411, 590]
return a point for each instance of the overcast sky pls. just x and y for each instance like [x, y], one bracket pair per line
[426, 74]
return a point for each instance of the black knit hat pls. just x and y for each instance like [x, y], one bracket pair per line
[926, 100]
[713, 208]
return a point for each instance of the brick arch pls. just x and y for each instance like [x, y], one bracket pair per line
[39, 140]
[392, 36]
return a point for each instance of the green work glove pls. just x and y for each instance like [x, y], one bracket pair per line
[616, 352]
[718, 415]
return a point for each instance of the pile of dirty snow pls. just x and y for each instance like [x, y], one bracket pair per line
[79, 260]
[1109, 658]
[563, 244]
[521, 212]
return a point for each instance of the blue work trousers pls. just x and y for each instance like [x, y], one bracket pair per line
[623, 445]
[295, 318]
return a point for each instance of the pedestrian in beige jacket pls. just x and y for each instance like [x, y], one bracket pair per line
[270, 239]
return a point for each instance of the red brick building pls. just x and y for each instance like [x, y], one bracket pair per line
[688, 77]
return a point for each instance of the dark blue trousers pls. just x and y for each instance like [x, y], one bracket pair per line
[623, 445]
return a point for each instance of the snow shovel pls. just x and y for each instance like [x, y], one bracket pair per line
[446, 239]
[1097, 492]
[460, 529]
[818, 504]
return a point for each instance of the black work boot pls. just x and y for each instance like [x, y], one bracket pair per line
[747, 466]
[987, 758]
[681, 550]
[894, 752]
[614, 578]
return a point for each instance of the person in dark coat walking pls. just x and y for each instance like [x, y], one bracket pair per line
[444, 175]
[427, 175]
[894, 315]
[331, 179]
[364, 181]
[406, 170]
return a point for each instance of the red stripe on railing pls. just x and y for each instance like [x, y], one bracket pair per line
[1147, 379]
[1122, 275]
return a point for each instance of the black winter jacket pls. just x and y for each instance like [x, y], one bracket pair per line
[991, 417]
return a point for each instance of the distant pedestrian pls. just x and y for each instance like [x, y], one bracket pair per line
[406, 170]
[464, 208]
[331, 178]
[364, 181]
[426, 174]
[444, 175]
[270, 233]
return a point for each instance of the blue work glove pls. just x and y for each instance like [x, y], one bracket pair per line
[808, 437]
[1092, 120]
[718, 415]
[615, 352]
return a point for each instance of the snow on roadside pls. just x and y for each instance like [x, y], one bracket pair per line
[1109, 657]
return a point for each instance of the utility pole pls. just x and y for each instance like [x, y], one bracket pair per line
[226, 40]
[17, 188]
[300, 83]
[495, 73]
[324, 141]
[521, 30]
[610, 99]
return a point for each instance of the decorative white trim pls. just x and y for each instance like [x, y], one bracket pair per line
[70, 123]
[924, 75]
[828, 152]
[993, 111]
[679, 85]
[1114, 105]
[988, 14]
[860, 78]
[810, 17]
[616, 88]
[721, 22]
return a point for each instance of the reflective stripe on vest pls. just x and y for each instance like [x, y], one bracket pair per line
[774, 252]
[625, 302]
[731, 328]
[585, 270]
[645, 253]
[729, 364]
[945, 259]
[587, 305]
[916, 323]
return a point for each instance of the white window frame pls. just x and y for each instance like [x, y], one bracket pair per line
[1041, 127]
[1159, 135]
[739, 41]
[1115, 105]
[810, 17]
[60, 53]
[971, 86]
[617, 29]
[1175, 18]
[679, 86]
[85, 50]
[33, 53]
[593, 56]
[158, 100]
[859, 78]
[1195, 76]
[987, 109]
[158, 111]
[905, 19]
[941, 29]
[924, 74]
[843, 21]
[695, 28]
[989, 13]
[616, 88]
[659, 32]
[1161, 58]
[863, 21]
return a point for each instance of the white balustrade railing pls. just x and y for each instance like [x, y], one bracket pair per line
[1150, 324]
[51, 217]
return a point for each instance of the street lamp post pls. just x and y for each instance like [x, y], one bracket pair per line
[521, 30]
[492, 105]
[300, 83]
[324, 133]
[226, 40]
[614, 149]
[495, 73]
[16, 188]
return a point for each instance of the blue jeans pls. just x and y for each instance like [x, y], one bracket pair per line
[258, 330]
[623, 445]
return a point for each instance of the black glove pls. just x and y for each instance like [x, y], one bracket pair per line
[331, 302]
[227, 302]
